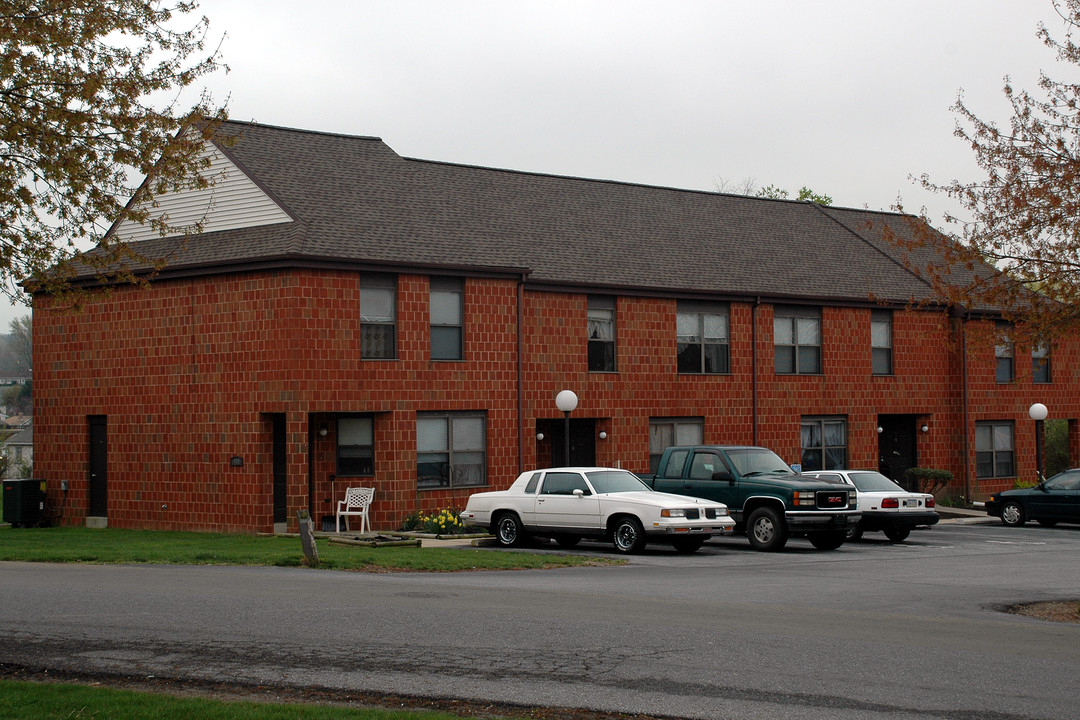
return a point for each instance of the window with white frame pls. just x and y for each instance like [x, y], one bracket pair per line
[666, 432]
[797, 340]
[447, 319]
[355, 446]
[881, 341]
[994, 453]
[703, 338]
[378, 317]
[1040, 363]
[451, 450]
[824, 443]
[601, 329]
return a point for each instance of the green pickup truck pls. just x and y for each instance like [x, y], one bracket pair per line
[767, 499]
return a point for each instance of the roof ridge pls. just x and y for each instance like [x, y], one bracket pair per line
[903, 266]
[255, 124]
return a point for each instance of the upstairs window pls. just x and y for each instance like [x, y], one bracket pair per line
[378, 317]
[447, 319]
[1040, 363]
[601, 319]
[1003, 355]
[797, 340]
[355, 446]
[881, 341]
[703, 342]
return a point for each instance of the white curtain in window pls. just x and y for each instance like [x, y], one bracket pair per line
[355, 431]
[716, 327]
[431, 435]
[782, 331]
[377, 305]
[688, 327]
[688, 433]
[468, 433]
[809, 331]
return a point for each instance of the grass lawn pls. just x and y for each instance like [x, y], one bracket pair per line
[49, 701]
[111, 545]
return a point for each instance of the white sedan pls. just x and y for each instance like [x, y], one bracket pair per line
[571, 503]
[884, 505]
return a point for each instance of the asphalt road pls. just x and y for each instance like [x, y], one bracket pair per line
[872, 630]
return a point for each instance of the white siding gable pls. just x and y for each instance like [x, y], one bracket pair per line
[232, 201]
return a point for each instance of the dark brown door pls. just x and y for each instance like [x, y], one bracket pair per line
[99, 464]
[280, 503]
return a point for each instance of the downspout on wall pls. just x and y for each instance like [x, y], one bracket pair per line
[520, 373]
[965, 400]
[753, 360]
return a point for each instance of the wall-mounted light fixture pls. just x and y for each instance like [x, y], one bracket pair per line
[323, 430]
[925, 428]
[539, 436]
[603, 435]
[880, 429]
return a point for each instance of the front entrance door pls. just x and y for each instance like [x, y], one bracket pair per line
[896, 447]
[99, 465]
[281, 510]
[582, 443]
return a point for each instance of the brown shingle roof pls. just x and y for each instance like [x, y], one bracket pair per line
[358, 201]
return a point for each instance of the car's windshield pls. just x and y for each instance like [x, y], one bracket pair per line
[758, 461]
[1068, 480]
[613, 481]
[874, 482]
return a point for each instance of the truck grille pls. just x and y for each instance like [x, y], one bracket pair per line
[830, 499]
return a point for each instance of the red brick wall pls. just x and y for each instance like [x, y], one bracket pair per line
[190, 372]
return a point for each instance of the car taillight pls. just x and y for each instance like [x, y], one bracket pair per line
[930, 502]
[890, 503]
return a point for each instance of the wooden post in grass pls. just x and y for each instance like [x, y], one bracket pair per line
[307, 538]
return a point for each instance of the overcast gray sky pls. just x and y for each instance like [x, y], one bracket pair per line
[849, 97]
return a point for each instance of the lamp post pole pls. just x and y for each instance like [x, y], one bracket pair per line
[1038, 413]
[566, 401]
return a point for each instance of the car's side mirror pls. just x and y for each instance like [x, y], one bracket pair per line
[722, 475]
[578, 492]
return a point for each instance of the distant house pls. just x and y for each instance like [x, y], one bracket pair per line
[19, 449]
[353, 317]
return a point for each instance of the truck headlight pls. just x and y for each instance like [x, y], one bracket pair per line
[804, 498]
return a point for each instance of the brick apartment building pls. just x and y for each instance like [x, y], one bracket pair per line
[352, 317]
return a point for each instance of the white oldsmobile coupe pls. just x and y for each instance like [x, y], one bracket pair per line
[568, 504]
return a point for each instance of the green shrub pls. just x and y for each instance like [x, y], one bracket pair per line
[927, 480]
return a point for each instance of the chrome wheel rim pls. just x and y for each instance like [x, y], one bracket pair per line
[507, 531]
[625, 536]
[764, 530]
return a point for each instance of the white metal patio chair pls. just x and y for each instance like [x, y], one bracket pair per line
[357, 501]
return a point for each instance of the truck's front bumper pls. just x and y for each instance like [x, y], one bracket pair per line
[808, 520]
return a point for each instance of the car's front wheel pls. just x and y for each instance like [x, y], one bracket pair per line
[508, 530]
[1012, 514]
[828, 539]
[687, 545]
[766, 530]
[628, 535]
[897, 534]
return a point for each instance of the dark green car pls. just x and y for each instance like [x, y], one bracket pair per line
[1050, 502]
